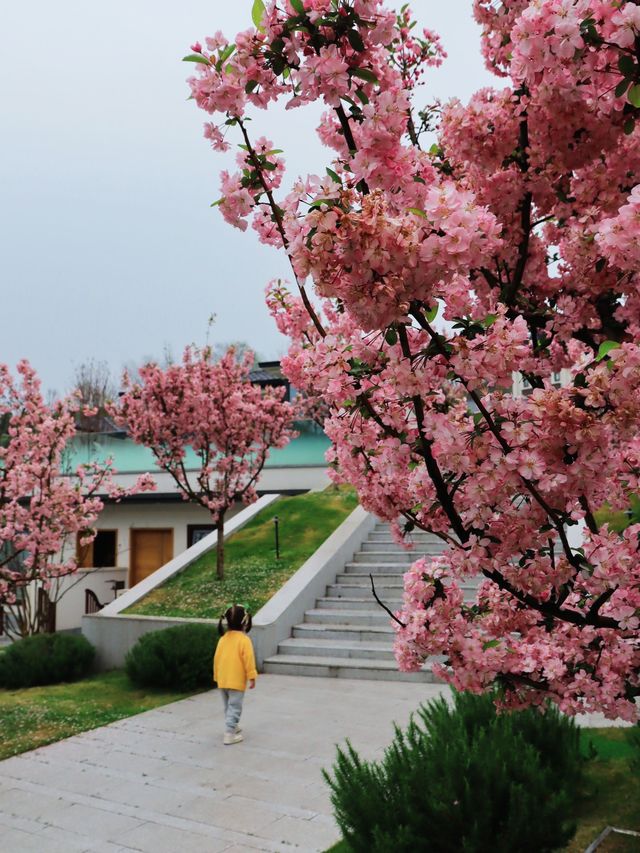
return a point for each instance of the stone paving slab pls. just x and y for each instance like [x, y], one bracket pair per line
[163, 781]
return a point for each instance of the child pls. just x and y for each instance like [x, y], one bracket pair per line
[233, 665]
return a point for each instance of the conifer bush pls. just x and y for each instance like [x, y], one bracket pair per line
[178, 658]
[45, 659]
[462, 778]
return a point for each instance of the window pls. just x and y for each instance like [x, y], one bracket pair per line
[196, 532]
[101, 553]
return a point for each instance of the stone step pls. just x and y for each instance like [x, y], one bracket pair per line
[374, 616]
[366, 602]
[337, 648]
[363, 590]
[334, 667]
[341, 631]
[390, 563]
[394, 548]
[394, 580]
[382, 535]
[399, 558]
[358, 598]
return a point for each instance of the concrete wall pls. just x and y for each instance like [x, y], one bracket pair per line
[124, 517]
[274, 622]
[113, 636]
[70, 604]
[292, 478]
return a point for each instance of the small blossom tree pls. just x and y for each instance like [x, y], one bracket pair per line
[44, 508]
[211, 408]
[520, 225]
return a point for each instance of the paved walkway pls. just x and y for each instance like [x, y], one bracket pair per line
[162, 782]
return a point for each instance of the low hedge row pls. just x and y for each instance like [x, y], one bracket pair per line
[179, 659]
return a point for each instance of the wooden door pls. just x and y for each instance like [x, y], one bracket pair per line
[150, 549]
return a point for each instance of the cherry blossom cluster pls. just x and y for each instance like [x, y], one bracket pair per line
[44, 508]
[508, 246]
[209, 409]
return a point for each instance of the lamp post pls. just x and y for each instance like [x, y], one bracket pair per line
[277, 532]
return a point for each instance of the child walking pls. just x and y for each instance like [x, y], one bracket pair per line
[234, 665]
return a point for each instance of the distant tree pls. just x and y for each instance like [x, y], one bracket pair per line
[94, 387]
[211, 407]
[43, 508]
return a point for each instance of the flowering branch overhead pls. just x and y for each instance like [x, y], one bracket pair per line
[518, 229]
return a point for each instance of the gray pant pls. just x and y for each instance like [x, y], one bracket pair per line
[232, 701]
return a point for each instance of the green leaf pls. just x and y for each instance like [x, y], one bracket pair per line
[418, 212]
[216, 203]
[320, 201]
[629, 126]
[432, 313]
[274, 151]
[490, 644]
[633, 95]
[489, 320]
[391, 336]
[355, 40]
[298, 5]
[364, 74]
[622, 87]
[257, 13]
[196, 57]
[251, 85]
[605, 349]
[626, 65]
[334, 176]
[477, 418]
[361, 96]
[226, 53]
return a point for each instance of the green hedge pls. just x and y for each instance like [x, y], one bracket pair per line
[176, 658]
[45, 659]
[463, 778]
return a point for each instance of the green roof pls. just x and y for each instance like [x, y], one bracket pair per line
[307, 450]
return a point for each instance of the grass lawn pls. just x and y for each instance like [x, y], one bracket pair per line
[610, 794]
[252, 572]
[35, 716]
[616, 518]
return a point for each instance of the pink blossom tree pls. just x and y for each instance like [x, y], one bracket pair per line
[211, 408]
[44, 508]
[520, 227]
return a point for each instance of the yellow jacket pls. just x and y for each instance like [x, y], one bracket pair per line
[234, 662]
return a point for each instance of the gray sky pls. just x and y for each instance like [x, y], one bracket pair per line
[109, 247]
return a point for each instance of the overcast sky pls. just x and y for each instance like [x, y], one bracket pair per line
[109, 247]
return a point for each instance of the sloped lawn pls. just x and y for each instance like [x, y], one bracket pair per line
[252, 572]
[36, 716]
[611, 792]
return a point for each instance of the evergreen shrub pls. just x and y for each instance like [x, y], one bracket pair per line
[463, 778]
[175, 658]
[45, 659]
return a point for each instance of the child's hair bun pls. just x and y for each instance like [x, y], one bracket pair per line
[235, 618]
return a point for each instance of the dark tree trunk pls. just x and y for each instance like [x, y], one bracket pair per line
[220, 548]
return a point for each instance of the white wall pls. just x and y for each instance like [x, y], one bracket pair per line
[70, 607]
[125, 516]
[292, 478]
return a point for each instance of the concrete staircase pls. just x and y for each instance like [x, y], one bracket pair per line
[347, 634]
